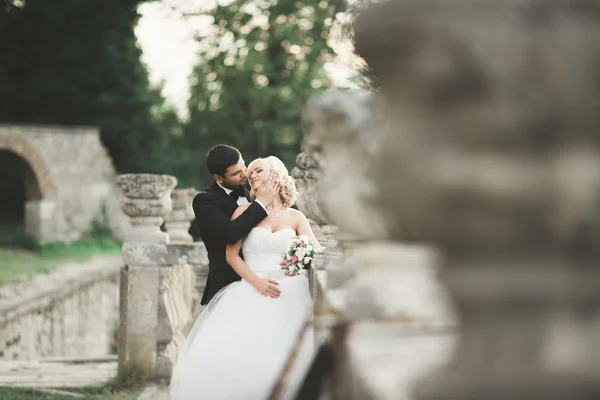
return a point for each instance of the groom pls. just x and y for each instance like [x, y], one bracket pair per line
[214, 207]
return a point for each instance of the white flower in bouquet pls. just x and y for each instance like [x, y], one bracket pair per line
[300, 255]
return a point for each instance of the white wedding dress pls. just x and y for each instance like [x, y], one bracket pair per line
[240, 343]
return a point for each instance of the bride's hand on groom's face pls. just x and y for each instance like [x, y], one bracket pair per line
[268, 190]
[267, 288]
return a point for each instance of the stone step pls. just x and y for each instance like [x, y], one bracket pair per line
[58, 373]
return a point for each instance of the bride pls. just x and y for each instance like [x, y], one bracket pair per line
[245, 342]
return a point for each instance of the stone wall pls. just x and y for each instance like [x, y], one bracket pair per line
[73, 180]
[71, 312]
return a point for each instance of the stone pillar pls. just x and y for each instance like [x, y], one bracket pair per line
[147, 198]
[158, 281]
[494, 141]
[178, 221]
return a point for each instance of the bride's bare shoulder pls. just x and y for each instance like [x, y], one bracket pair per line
[298, 215]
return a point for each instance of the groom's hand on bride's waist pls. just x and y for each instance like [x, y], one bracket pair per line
[267, 288]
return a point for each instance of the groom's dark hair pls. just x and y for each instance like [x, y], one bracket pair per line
[221, 157]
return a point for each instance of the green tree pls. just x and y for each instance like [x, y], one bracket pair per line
[78, 63]
[256, 70]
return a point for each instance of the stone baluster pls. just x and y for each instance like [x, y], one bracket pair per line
[178, 221]
[155, 298]
[494, 151]
[394, 301]
[178, 288]
[177, 224]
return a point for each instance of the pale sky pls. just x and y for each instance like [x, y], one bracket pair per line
[169, 51]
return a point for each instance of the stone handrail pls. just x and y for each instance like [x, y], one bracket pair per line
[50, 315]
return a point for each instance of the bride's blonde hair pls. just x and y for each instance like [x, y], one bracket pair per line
[288, 192]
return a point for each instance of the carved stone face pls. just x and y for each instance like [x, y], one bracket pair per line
[345, 127]
[308, 175]
[494, 124]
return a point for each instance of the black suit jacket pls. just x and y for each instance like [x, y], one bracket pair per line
[213, 209]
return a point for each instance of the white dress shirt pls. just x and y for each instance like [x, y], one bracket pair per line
[242, 200]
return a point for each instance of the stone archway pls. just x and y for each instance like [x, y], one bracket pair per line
[20, 147]
[71, 181]
[40, 190]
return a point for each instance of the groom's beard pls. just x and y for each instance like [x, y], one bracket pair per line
[244, 187]
[238, 186]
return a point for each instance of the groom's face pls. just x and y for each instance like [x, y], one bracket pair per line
[236, 176]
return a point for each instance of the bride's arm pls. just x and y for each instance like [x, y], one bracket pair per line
[232, 254]
[303, 228]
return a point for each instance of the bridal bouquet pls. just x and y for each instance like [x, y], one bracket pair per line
[300, 255]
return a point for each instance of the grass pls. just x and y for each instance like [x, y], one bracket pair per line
[127, 386]
[21, 257]
[103, 393]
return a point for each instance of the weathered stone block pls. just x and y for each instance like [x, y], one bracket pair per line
[138, 328]
[142, 254]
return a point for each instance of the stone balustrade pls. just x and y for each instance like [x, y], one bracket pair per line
[70, 312]
[377, 296]
[160, 278]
